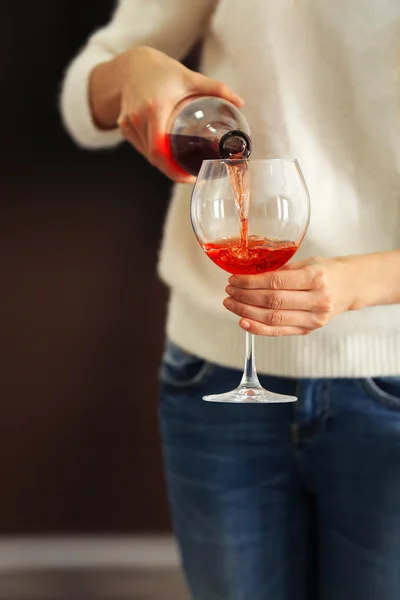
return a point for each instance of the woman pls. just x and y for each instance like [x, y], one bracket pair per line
[286, 501]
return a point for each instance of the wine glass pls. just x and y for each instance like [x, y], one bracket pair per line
[250, 216]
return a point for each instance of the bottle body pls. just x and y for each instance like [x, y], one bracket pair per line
[205, 128]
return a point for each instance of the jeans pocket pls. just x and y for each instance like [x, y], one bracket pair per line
[385, 390]
[182, 369]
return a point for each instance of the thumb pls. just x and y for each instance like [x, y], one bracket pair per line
[301, 264]
[212, 87]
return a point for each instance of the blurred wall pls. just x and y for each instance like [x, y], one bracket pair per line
[81, 310]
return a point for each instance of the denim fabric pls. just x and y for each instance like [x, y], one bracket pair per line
[283, 502]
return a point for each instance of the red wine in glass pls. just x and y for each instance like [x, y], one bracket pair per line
[260, 255]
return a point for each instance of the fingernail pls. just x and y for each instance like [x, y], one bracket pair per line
[228, 303]
[245, 324]
[229, 289]
[233, 280]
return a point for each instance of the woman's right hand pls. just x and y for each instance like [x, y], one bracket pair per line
[138, 91]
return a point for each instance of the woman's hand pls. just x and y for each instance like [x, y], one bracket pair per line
[138, 90]
[297, 299]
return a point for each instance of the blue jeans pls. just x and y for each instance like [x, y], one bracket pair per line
[283, 502]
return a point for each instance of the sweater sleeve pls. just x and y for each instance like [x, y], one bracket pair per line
[171, 26]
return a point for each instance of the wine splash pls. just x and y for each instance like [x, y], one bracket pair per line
[262, 254]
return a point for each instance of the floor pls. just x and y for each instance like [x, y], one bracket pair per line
[113, 584]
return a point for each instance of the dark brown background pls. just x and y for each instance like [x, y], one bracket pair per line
[81, 310]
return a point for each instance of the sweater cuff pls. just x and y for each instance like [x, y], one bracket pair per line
[75, 107]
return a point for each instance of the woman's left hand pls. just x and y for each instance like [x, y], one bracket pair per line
[297, 299]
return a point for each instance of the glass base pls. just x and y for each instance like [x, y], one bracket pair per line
[254, 395]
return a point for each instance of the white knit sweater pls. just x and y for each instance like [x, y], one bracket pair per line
[321, 82]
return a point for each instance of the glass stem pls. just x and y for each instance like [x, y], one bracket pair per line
[250, 379]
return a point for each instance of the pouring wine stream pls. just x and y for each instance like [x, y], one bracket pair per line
[240, 181]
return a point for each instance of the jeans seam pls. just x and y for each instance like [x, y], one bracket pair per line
[317, 425]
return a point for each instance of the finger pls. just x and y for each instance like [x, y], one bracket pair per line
[300, 279]
[134, 122]
[294, 266]
[213, 87]
[310, 263]
[273, 318]
[131, 134]
[160, 150]
[261, 329]
[276, 300]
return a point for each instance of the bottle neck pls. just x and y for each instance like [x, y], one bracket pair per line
[234, 144]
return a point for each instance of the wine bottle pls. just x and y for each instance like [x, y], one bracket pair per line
[204, 128]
